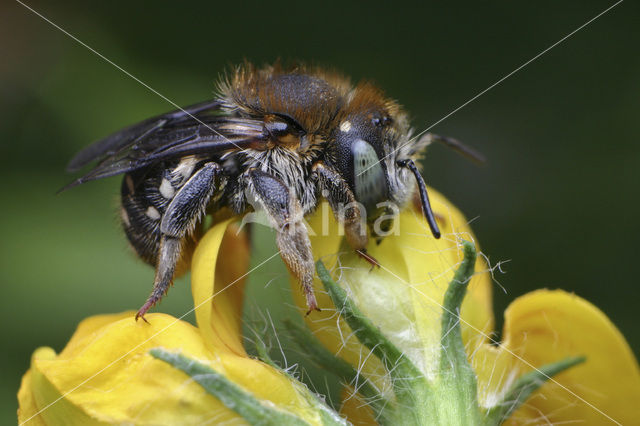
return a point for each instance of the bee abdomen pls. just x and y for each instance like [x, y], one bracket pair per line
[145, 197]
[141, 215]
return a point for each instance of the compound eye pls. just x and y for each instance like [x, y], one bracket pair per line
[368, 175]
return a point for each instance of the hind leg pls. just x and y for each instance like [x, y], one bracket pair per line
[179, 220]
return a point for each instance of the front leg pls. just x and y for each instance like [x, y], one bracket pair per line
[178, 220]
[346, 209]
[285, 213]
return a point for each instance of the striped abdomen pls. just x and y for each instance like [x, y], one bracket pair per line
[146, 193]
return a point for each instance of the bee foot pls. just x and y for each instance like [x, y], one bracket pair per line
[312, 304]
[143, 310]
[372, 260]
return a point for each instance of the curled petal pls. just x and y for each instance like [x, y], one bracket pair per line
[546, 326]
[218, 270]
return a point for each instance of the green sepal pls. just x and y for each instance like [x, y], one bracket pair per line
[457, 379]
[231, 395]
[452, 354]
[410, 386]
[263, 353]
[323, 358]
[525, 386]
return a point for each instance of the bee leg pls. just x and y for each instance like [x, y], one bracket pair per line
[345, 208]
[292, 239]
[366, 256]
[179, 219]
[168, 256]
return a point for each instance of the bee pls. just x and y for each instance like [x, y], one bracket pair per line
[273, 138]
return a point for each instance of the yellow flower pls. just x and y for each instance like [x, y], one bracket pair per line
[404, 299]
[105, 374]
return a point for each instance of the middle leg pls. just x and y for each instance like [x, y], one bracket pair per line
[286, 215]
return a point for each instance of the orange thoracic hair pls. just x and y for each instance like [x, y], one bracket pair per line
[323, 98]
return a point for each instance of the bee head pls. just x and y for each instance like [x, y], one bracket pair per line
[374, 154]
[364, 135]
[360, 158]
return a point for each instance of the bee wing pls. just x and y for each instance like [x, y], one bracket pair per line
[167, 136]
[130, 135]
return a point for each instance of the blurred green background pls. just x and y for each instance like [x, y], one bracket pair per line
[558, 197]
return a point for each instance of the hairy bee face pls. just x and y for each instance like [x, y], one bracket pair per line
[360, 159]
[366, 139]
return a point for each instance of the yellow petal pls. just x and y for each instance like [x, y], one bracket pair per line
[546, 326]
[27, 407]
[28, 410]
[217, 284]
[107, 376]
[403, 297]
[355, 408]
[88, 330]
